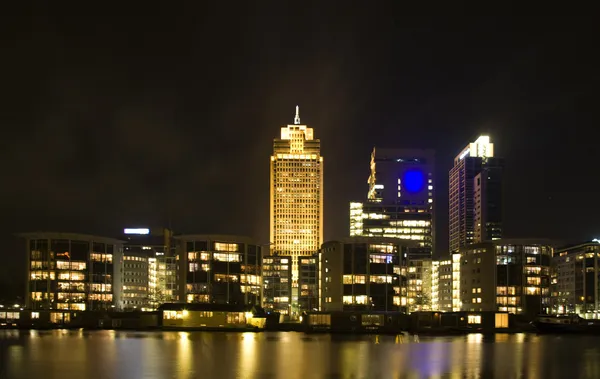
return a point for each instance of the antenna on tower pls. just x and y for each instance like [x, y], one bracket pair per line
[297, 118]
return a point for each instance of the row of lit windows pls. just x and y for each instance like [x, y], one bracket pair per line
[361, 279]
[134, 288]
[13, 315]
[100, 297]
[134, 294]
[133, 258]
[134, 265]
[99, 257]
[69, 275]
[219, 257]
[71, 306]
[197, 298]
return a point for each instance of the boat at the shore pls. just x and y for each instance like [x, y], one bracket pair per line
[568, 324]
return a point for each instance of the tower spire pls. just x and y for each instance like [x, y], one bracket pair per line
[297, 118]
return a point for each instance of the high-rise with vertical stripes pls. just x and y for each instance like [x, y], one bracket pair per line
[475, 195]
[296, 201]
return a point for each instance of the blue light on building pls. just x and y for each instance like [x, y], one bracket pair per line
[413, 181]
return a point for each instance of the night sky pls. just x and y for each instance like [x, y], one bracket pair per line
[135, 121]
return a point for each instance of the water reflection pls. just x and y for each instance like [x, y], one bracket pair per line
[108, 354]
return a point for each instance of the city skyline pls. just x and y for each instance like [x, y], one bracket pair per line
[174, 132]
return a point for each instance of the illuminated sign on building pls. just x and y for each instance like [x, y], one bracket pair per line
[136, 231]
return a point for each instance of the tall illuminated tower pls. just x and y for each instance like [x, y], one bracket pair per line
[475, 195]
[296, 196]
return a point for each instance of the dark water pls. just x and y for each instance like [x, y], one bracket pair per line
[107, 354]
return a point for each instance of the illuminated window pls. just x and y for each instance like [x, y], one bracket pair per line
[381, 279]
[501, 320]
[367, 320]
[94, 287]
[99, 257]
[219, 246]
[225, 257]
[361, 299]
[319, 319]
[42, 275]
[71, 275]
[172, 315]
[226, 278]
[474, 319]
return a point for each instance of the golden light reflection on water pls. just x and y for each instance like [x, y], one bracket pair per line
[248, 356]
[185, 355]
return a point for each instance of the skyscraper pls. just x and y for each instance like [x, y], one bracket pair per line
[296, 196]
[400, 198]
[475, 195]
[400, 205]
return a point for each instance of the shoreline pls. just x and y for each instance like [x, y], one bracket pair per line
[420, 333]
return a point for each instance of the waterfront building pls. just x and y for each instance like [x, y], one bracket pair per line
[149, 269]
[308, 282]
[134, 281]
[475, 195]
[445, 284]
[296, 198]
[163, 282]
[575, 279]
[277, 283]
[400, 205]
[419, 282]
[364, 273]
[506, 275]
[219, 269]
[70, 271]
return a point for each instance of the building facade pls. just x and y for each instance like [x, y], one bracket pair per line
[507, 276]
[487, 219]
[134, 281]
[296, 197]
[419, 282]
[163, 284]
[445, 284]
[71, 271]
[399, 199]
[464, 209]
[575, 280]
[149, 269]
[308, 282]
[363, 273]
[277, 284]
[219, 269]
